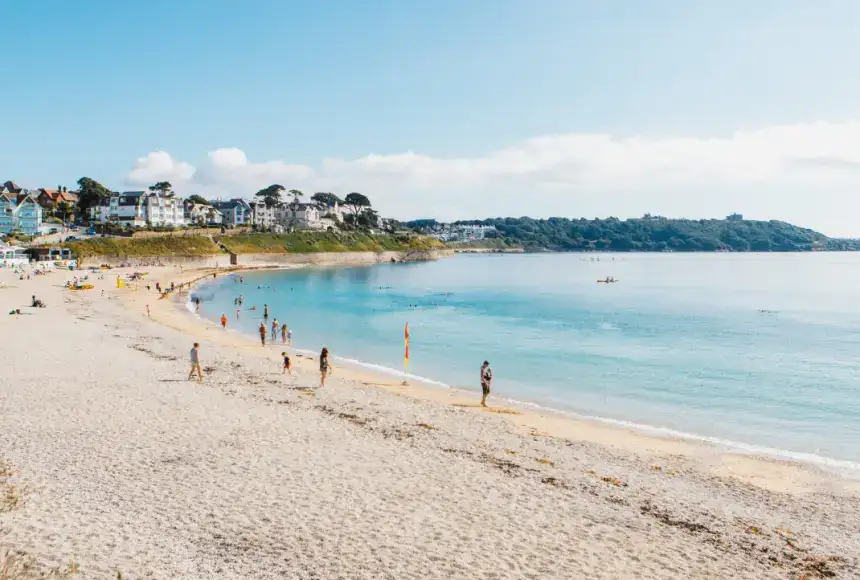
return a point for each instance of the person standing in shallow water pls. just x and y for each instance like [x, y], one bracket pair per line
[263, 333]
[324, 366]
[284, 334]
[265, 311]
[486, 379]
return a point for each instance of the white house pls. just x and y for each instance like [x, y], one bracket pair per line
[139, 209]
[300, 216]
[202, 214]
[333, 212]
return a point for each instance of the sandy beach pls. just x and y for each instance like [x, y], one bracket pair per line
[113, 465]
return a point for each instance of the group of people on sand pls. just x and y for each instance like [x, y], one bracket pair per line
[325, 364]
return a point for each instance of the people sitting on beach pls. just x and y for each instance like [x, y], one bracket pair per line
[37, 303]
[16, 311]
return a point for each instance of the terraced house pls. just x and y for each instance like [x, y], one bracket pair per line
[20, 212]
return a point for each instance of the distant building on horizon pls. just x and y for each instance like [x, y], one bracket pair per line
[735, 217]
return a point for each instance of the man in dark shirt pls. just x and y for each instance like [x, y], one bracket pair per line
[486, 379]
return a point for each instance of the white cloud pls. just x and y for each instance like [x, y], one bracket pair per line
[159, 166]
[806, 173]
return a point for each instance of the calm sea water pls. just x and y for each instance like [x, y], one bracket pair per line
[760, 350]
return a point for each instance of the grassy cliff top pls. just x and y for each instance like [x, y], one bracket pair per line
[298, 242]
[137, 248]
[304, 242]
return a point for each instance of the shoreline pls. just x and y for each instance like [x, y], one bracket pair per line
[113, 463]
[788, 471]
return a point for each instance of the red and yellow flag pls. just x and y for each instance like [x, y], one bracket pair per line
[406, 342]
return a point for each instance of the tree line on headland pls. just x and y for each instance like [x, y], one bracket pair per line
[649, 234]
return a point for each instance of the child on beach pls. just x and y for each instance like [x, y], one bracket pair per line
[290, 336]
[195, 363]
[263, 333]
[224, 321]
[325, 367]
[287, 367]
[148, 313]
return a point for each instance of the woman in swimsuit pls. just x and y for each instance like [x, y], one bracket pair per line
[324, 366]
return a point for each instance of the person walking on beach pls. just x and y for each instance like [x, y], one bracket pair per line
[263, 333]
[325, 367]
[486, 379]
[284, 334]
[224, 321]
[287, 367]
[148, 313]
[195, 363]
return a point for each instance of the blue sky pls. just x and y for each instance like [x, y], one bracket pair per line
[95, 87]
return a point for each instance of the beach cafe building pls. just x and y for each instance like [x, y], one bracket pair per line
[12, 256]
[52, 256]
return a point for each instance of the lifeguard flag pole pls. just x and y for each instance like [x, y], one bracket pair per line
[406, 354]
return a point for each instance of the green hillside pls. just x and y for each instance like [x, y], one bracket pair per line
[651, 234]
[304, 242]
[299, 242]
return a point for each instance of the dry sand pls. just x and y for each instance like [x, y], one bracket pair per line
[111, 462]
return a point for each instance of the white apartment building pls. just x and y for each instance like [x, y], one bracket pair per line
[262, 216]
[140, 209]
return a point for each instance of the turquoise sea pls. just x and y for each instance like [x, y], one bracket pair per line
[760, 352]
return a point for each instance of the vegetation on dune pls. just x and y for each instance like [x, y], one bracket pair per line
[655, 234]
[143, 247]
[487, 244]
[304, 242]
